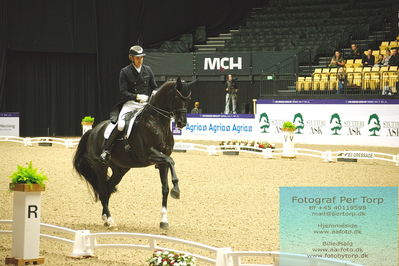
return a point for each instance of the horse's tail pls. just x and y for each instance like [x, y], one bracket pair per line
[82, 165]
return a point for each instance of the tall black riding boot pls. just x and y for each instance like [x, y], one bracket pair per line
[109, 143]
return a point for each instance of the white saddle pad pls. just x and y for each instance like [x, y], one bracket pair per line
[111, 126]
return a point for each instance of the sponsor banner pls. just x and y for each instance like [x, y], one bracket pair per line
[223, 63]
[218, 127]
[9, 124]
[356, 224]
[357, 155]
[343, 122]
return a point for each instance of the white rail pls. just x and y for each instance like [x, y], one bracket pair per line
[268, 153]
[327, 156]
[69, 143]
[85, 243]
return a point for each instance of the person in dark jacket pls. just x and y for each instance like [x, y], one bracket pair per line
[136, 83]
[394, 60]
[231, 95]
[356, 53]
[368, 59]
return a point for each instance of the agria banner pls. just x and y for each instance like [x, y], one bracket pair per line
[217, 127]
[348, 122]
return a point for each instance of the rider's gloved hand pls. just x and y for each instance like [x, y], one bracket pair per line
[142, 98]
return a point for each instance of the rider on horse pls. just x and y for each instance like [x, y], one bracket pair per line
[136, 83]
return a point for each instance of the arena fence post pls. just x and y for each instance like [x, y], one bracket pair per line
[83, 245]
[268, 153]
[27, 142]
[221, 257]
[211, 150]
[397, 160]
[26, 225]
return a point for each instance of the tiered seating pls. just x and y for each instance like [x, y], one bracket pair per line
[370, 79]
[309, 27]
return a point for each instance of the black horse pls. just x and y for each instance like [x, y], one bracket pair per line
[150, 143]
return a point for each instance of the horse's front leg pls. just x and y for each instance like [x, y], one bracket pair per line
[163, 173]
[159, 157]
[175, 192]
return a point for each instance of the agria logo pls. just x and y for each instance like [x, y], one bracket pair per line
[264, 122]
[335, 123]
[374, 124]
[298, 121]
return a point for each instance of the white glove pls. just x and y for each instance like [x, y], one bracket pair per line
[142, 98]
[154, 92]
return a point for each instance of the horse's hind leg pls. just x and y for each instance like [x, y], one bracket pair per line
[107, 188]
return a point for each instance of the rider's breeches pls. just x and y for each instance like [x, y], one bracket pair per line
[129, 106]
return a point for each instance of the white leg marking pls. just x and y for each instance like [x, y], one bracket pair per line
[164, 214]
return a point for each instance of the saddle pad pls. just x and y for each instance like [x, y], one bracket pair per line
[129, 124]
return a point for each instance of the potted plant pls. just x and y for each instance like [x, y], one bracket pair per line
[288, 126]
[27, 184]
[87, 123]
[288, 144]
[163, 257]
[88, 120]
[27, 179]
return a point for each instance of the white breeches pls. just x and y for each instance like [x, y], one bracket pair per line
[127, 107]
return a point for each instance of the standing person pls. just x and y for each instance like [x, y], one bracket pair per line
[231, 95]
[341, 80]
[368, 59]
[337, 60]
[196, 109]
[136, 82]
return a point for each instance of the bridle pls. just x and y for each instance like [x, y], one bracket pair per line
[168, 114]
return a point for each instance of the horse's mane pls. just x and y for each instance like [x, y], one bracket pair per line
[165, 89]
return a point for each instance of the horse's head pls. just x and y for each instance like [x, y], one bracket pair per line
[171, 100]
[180, 102]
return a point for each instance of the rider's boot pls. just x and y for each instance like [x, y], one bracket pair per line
[109, 143]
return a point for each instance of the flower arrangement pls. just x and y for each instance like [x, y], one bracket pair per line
[248, 145]
[88, 119]
[288, 126]
[163, 257]
[27, 175]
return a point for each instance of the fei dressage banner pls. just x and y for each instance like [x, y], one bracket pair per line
[346, 122]
[328, 122]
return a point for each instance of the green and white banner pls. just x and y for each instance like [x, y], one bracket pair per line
[344, 122]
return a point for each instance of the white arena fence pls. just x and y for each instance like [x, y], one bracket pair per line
[268, 153]
[84, 243]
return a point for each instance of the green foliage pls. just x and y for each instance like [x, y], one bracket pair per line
[88, 119]
[28, 175]
[289, 125]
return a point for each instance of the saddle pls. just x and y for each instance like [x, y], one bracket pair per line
[130, 119]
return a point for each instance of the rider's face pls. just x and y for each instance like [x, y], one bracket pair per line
[137, 61]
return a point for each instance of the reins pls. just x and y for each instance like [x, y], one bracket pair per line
[168, 114]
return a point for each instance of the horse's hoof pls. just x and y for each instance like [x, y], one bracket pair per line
[108, 221]
[164, 225]
[175, 194]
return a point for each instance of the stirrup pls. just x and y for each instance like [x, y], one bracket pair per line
[105, 157]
